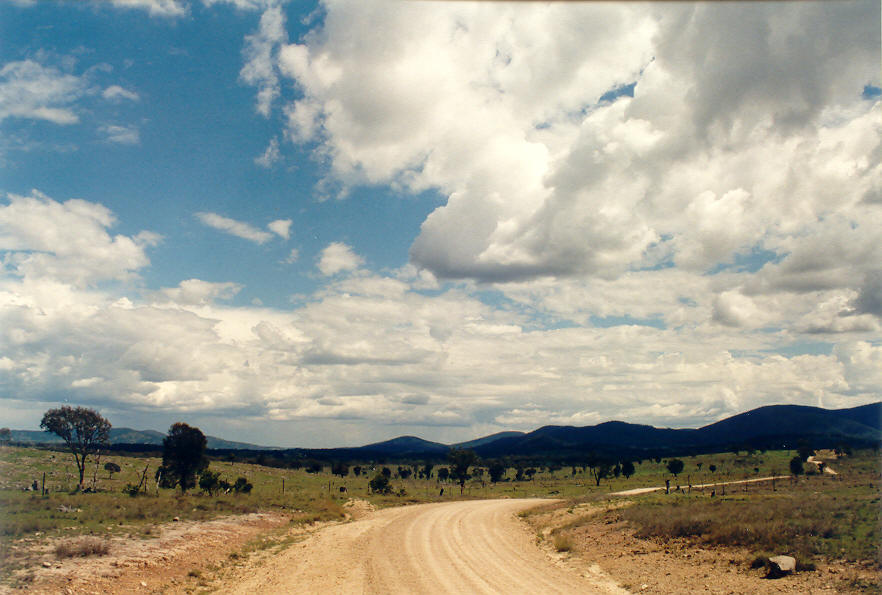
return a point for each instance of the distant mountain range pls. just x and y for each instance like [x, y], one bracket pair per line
[774, 426]
[129, 436]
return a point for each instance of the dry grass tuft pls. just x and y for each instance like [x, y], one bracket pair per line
[80, 548]
[562, 543]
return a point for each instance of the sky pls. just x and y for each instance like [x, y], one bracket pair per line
[318, 224]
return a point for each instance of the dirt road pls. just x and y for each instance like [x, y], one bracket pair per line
[456, 547]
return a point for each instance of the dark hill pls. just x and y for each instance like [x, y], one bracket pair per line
[488, 439]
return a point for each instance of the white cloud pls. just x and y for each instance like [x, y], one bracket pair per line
[116, 93]
[280, 227]
[719, 151]
[259, 52]
[271, 156]
[122, 135]
[233, 227]
[31, 90]
[161, 8]
[194, 292]
[292, 256]
[67, 241]
[338, 257]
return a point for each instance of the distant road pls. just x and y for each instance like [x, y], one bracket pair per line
[637, 491]
[458, 547]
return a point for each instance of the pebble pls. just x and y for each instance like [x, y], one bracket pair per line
[143, 584]
[47, 564]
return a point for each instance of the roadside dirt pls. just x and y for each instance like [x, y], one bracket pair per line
[160, 564]
[597, 538]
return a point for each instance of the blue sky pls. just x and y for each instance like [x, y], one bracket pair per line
[326, 223]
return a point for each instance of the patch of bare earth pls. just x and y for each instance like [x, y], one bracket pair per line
[180, 559]
[594, 538]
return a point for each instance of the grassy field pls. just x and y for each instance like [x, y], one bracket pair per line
[818, 516]
[27, 516]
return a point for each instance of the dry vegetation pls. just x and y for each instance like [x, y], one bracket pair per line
[819, 518]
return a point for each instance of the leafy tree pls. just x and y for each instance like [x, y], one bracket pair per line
[460, 460]
[111, 468]
[183, 456]
[340, 468]
[427, 470]
[404, 472]
[313, 466]
[387, 473]
[712, 468]
[443, 474]
[5, 435]
[380, 484]
[698, 466]
[617, 470]
[627, 469]
[496, 470]
[530, 473]
[805, 451]
[675, 466]
[600, 470]
[519, 473]
[356, 471]
[796, 467]
[83, 430]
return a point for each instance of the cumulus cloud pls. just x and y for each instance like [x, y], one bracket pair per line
[116, 93]
[338, 257]
[235, 228]
[67, 241]
[720, 149]
[29, 89]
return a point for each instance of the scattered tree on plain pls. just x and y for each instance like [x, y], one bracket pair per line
[111, 468]
[600, 470]
[183, 456]
[380, 484]
[496, 471]
[340, 468]
[83, 430]
[627, 469]
[675, 466]
[5, 435]
[443, 474]
[460, 460]
[796, 467]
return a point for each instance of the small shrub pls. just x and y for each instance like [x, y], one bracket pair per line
[80, 548]
[242, 486]
[132, 490]
[562, 543]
